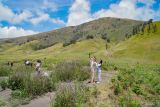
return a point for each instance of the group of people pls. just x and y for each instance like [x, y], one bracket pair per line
[37, 65]
[95, 67]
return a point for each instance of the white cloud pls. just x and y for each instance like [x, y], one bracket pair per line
[41, 17]
[6, 14]
[128, 9]
[21, 17]
[48, 4]
[147, 2]
[58, 21]
[10, 32]
[34, 16]
[80, 11]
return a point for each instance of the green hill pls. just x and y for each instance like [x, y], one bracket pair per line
[143, 46]
[113, 29]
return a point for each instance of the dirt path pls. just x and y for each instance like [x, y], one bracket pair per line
[102, 97]
[5, 95]
[42, 101]
[105, 76]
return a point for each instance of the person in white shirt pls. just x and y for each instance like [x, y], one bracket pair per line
[93, 67]
[38, 67]
[27, 62]
[99, 71]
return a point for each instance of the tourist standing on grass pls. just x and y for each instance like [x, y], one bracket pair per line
[93, 69]
[38, 66]
[99, 71]
[91, 66]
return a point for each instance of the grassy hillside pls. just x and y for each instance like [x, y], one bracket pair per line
[113, 29]
[144, 46]
[141, 47]
[57, 52]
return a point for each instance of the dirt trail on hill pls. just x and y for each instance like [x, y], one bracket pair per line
[41, 101]
[105, 76]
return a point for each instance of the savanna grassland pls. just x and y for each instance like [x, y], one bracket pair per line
[130, 51]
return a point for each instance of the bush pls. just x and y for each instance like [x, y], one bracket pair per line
[71, 95]
[127, 101]
[117, 89]
[66, 44]
[4, 84]
[19, 94]
[5, 70]
[89, 37]
[2, 103]
[137, 89]
[71, 70]
[16, 80]
[33, 85]
[38, 86]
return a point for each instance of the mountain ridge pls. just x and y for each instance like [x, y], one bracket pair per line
[112, 28]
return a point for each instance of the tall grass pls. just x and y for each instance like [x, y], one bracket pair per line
[71, 95]
[5, 70]
[69, 71]
[32, 85]
[141, 80]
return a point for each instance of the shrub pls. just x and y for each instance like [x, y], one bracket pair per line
[19, 94]
[127, 101]
[19, 76]
[5, 70]
[117, 89]
[16, 80]
[71, 95]
[39, 85]
[4, 84]
[104, 36]
[2, 103]
[66, 44]
[89, 37]
[71, 70]
[33, 85]
[137, 89]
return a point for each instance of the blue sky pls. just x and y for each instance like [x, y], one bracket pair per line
[26, 17]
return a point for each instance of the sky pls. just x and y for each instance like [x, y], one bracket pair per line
[27, 17]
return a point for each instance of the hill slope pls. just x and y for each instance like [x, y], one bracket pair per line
[113, 29]
[145, 47]
[141, 46]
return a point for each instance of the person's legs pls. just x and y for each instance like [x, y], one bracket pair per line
[92, 76]
[38, 71]
[99, 75]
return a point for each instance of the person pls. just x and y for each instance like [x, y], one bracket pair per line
[27, 62]
[99, 71]
[38, 67]
[11, 64]
[93, 69]
[91, 64]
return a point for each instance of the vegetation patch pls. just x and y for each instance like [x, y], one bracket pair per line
[70, 70]
[71, 95]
